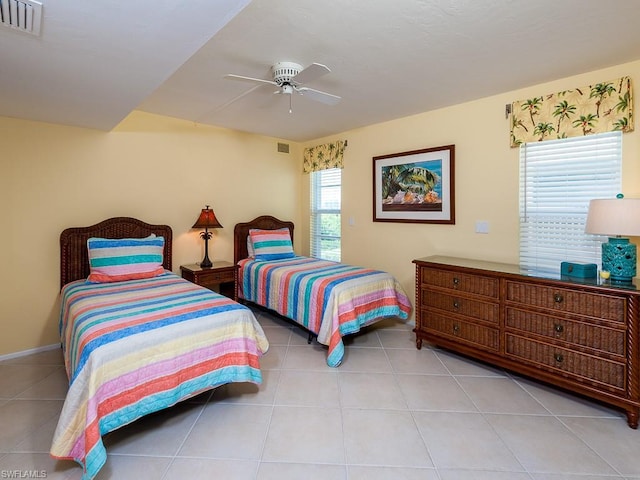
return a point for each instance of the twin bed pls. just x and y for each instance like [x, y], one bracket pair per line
[328, 299]
[137, 338]
[133, 346]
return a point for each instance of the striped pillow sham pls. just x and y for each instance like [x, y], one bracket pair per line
[271, 244]
[116, 260]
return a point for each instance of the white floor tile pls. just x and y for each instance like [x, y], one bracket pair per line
[305, 435]
[464, 441]
[371, 391]
[548, 446]
[226, 431]
[383, 437]
[301, 471]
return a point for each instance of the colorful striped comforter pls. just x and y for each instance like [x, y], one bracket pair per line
[139, 346]
[330, 299]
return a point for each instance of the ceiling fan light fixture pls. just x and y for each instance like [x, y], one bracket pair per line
[283, 72]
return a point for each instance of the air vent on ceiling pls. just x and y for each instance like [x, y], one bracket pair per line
[22, 15]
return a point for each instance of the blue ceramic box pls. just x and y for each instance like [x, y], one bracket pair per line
[579, 270]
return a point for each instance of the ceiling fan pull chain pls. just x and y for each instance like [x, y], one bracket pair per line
[290, 100]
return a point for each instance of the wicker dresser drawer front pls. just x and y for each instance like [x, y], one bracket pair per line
[462, 282]
[609, 340]
[478, 310]
[566, 300]
[214, 278]
[582, 367]
[461, 331]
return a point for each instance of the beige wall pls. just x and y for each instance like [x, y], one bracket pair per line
[157, 169]
[486, 181]
[164, 170]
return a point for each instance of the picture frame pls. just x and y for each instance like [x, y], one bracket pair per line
[415, 186]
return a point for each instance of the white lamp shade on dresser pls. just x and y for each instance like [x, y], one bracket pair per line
[614, 217]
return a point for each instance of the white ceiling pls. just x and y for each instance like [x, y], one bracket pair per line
[96, 61]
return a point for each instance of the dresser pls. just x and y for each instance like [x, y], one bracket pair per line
[578, 335]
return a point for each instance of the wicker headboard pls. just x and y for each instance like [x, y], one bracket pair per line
[241, 232]
[74, 259]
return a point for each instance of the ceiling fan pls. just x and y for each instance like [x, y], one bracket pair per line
[291, 78]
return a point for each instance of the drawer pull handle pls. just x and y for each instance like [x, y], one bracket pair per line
[558, 298]
[456, 281]
[558, 328]
[456, 328]
[456, 304]
[558, 357]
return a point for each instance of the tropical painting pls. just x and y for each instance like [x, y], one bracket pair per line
[412, 186]
[415, 186]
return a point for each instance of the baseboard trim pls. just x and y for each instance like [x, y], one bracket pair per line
[31, 351]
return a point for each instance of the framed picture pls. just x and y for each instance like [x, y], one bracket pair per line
[415, 187]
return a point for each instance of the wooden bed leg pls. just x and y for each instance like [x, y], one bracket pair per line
[310, 338]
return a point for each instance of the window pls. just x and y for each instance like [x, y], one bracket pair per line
[557, 180]
[325, 214]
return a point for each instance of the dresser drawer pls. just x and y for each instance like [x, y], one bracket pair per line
[476, 309]
[599, 306]
[582, 368]
[598, 337]
[460, 330]
[215, 277]
[462, 282]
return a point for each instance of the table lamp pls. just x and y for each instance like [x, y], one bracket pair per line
[206, 220]
[617, 218]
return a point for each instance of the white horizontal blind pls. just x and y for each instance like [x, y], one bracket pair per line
[325, 213]
[557, 180]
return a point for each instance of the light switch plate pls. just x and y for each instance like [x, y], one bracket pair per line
[482, 226]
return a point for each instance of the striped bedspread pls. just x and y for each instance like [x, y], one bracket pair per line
[330, 299]
[135, 347]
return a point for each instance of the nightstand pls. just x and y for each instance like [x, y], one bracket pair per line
[222, 276]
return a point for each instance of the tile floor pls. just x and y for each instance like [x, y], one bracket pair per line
[389, 411]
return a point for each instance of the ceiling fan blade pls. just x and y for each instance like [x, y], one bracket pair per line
[235, 99]
[319, 96]
[249, 79]
[313, 71]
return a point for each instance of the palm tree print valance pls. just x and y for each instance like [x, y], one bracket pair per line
[323, 157]
[603, 107]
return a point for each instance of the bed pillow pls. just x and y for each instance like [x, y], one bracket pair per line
[115, 260]
[271, 244]
[250, 252]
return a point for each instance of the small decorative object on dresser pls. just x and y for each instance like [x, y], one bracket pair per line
[220, 275]
[578, 335]
[618, 218]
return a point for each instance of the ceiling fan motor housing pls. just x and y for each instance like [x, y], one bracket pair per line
[283, 72]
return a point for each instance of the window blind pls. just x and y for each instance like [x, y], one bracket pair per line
[558, 178]
[325, 213]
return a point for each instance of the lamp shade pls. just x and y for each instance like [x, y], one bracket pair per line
[207, 219]
[616, 216]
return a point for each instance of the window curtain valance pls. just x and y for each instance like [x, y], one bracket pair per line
[323, 157]
[599, 108]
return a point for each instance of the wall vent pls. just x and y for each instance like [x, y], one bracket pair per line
[22, 15]
[283, 147]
